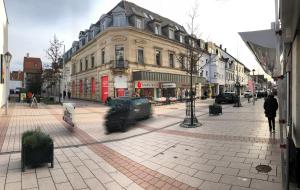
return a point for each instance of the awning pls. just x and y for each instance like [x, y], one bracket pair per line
[263, 45]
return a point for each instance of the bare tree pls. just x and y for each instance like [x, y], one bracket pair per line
[191, 63]
[54, 54]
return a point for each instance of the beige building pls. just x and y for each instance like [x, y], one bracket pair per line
[130, 51]
[3, 50]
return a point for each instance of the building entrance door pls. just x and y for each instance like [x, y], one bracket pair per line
[104, 88]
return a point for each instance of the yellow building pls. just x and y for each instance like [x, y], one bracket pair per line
[130, 51]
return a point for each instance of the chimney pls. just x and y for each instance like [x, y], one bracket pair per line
[27, 55]
[225, 49]
[220, 46]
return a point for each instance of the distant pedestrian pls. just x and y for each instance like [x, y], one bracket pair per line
[69, 94]
[64, 94]
[271, 107]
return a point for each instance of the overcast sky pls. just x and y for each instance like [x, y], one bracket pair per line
[32, 23]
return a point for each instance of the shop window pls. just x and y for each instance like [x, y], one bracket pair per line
[140, 55]
[158, 57]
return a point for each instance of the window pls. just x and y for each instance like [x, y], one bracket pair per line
[119, 55]
[171, 34]
[80, 87]
[158, 57]
[138, 23]
[118, 20]
[171, 59]
[80, 65]
[93, 61]
[157, 29]
[103, 56]
[73, 68]
[140, 55]
[86, 63]
[181, 38]
[201, 73]
[206, 73]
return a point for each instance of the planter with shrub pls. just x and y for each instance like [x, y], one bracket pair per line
[37, 149]
[215, 109]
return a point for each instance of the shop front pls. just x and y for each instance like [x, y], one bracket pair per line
[168, 89]
[121, 86]
[146, 89]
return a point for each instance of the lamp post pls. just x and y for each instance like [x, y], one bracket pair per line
[7, 58]
[254, 93]
[238, 88]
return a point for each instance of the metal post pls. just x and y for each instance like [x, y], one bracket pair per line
[7, 88]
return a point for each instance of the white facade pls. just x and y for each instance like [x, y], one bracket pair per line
[3, 50]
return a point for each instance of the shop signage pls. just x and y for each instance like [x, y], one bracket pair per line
[120, 81]
[168, 85]
[146, 84]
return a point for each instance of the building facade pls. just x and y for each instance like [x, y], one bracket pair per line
[3, 50]
[32, 68]
[130, 51]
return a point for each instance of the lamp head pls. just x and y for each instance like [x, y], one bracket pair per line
[7, 57]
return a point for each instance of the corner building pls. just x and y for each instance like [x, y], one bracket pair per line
[130, 51]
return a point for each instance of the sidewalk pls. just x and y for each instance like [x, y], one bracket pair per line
[155, 154]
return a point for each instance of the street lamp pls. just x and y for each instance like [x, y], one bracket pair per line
[7, 58]
[254, 94]
[238, 88]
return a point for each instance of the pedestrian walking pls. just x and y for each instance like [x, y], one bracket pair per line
[271, 107]
[64, 94]
[69, 94]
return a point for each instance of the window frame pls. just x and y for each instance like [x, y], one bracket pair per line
[172, 65]
[137, 56]
[160, 57]
[103, 56]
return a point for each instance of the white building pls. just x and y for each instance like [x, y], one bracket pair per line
[3, 50]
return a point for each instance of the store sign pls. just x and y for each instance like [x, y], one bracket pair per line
[120, 81]
[146, 84]
[168, 85]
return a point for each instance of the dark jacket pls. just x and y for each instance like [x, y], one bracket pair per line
[270, 107]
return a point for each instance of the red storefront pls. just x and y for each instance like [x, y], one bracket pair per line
[104, 88]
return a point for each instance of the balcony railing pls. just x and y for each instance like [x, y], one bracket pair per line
[117, 64]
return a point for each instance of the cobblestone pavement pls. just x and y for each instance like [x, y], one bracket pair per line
[154, 154]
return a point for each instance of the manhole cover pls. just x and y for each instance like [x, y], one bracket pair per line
[263, 168]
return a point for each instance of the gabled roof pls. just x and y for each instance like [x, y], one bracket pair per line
[32, 65]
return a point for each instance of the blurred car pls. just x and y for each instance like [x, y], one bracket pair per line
[262, 94]
[248, 93]
[226, 97]
[125, 111]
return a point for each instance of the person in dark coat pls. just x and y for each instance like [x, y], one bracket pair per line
[271, 107]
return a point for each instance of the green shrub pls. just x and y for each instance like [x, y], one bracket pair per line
[36, 139]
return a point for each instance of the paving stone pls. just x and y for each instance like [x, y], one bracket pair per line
[265, 185]
[121, 179]
[13, 186]
[240, 188]
[29, 181]
[84, 172]
[76, 181]
[64, 186]
[46, 184]
[228, 171]
[212, 156]
[102, 176]
[113, 186]
[239, 165]
[187, 179]
[43, 172]
[208, 176]
[13, 176]
[233, 180]
[68, 167]
[202, 167]
[246, 173]
[94, 184]
[58, 176]
[185, 170]
[218, 163]
[168, 172]
[208, 185]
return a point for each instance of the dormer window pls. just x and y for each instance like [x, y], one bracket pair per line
[138, 23]
[157, 29]
[119, 20]
[171, 34]
[181, 39]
